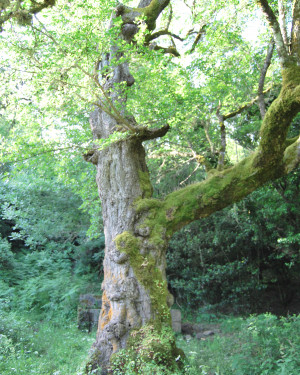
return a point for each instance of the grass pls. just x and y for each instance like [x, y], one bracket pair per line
[42, 348]
[257, 345]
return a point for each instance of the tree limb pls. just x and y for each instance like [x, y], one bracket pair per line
[282, 22]
[206, 128]
[149, 8]
[22, 14]
[295, 32]
[243, 107]
[145, 133]
[159, 33]
[282, 49]
[200, 33]
[291, 157]
[261, 99]
[223, 139]
[171, 50]
[271, 160]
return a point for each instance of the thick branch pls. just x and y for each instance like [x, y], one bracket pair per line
[171, 50]
[292, 156]
[279, 116]
[282, 49]
[149, 8]
[272, 160]
[145, 134]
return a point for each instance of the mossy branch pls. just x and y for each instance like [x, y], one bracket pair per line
[151, 9]
[291, 156]
[274, 158]
[23, 14]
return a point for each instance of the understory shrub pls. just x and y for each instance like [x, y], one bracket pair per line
[46, 282]
[259, 345]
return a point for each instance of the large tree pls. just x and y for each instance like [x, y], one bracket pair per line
[136, 301]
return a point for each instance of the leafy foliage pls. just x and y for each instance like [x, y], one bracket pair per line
[46, 260]
[262, 344]
[233, 258]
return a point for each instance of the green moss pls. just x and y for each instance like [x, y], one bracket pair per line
[147, 274]
[291, 158]
[279, 117]
[93, 363]
[147, 204]
[185, 211]
[148, 351]
[151, 12]
[291, 76]
[145, 184]
[155, 219]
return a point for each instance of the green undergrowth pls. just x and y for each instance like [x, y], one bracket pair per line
[29, 346]
[257, 345]
[149, 351]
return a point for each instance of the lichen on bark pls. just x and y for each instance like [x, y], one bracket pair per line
[148, 275]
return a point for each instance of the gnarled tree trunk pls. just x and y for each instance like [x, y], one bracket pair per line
[134, 287]
[132, 260]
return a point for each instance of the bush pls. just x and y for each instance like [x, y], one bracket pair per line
[46, 284]
[258, 345]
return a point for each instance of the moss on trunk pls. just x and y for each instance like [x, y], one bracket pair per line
[148, 275]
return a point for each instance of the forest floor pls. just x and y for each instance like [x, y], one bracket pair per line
[256, 345]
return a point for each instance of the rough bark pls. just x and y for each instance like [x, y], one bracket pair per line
[129, 301]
